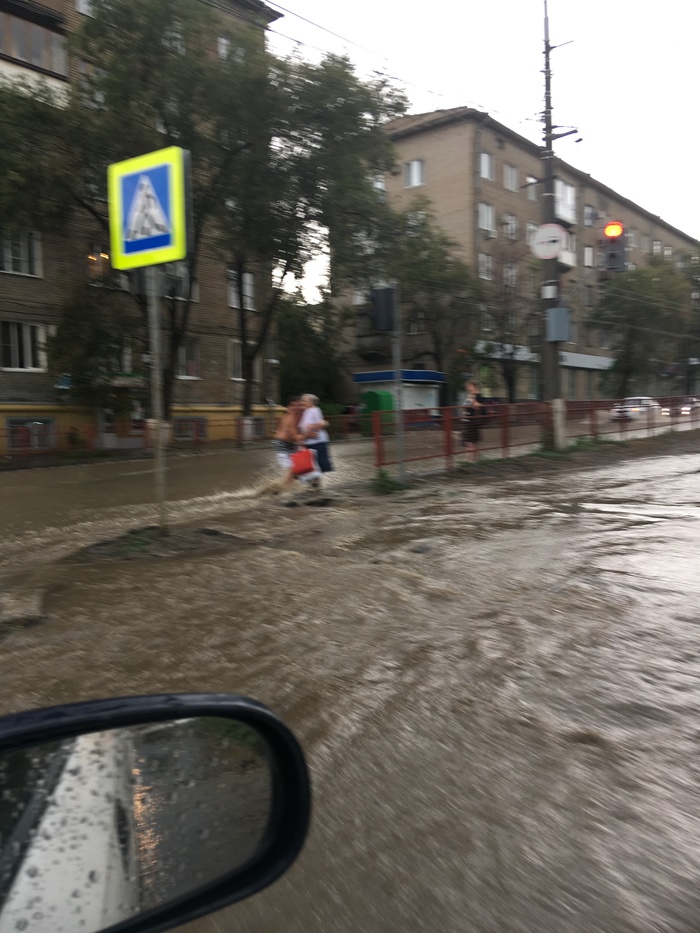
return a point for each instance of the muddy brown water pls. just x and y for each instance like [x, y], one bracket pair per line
[497, 687]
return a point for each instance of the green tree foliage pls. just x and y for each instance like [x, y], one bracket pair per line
[311, 357]
[645, 311]
[282, 150]
[88, 348]
[439, 294]
[510, 313]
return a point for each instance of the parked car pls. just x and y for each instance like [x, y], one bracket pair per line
[683, 406]
[635, 407]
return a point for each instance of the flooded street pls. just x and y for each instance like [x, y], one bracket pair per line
[496, 682]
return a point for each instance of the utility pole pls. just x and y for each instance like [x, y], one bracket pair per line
[549, 350]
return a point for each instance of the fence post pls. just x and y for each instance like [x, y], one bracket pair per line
[378, 439]
[594, 420]
[504, 413]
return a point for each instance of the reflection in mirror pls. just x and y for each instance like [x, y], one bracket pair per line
[102, 827]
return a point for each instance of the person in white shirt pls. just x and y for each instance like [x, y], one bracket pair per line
[312, 427]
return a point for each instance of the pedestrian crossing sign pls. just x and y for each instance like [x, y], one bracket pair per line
[148, 208]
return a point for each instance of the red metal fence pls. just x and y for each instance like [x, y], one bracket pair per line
[512, 430]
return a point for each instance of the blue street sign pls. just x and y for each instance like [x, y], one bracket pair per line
[148, 209]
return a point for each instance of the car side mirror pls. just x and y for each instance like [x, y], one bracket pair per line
[142, 813]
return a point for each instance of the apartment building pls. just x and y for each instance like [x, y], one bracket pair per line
[483, 181]
[39, 271]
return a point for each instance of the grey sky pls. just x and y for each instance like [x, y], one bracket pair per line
[627, 81]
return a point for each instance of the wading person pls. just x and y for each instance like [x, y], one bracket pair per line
[287, 439]
[472, 419]
[312, 427]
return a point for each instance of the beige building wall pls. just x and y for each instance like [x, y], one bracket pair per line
[462, 158]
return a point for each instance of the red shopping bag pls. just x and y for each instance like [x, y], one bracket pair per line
[303, 461]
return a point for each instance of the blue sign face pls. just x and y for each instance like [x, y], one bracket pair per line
[146, 199]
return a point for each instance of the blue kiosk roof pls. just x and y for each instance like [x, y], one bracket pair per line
[407, 375]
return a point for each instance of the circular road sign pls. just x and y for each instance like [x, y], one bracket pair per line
[547, 241]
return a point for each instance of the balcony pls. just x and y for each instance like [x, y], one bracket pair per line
[374, 348]
[567, 259]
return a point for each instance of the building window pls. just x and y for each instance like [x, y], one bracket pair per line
[236, 363]
[485, 266]
[234, 291]
[531, 187]
[23, 346]
[668, 252]
[565, 201]
[486, 318]
[416, 324]
[588, 257]
[33, 44]
[532, 229]
[414, 173]
[656, 248]
[486, 166]
[486, 218]
[534, 382]
[646, 243]
[84, 7]
[188, 359]
[21, 253]
[510, 226]
[31, 433]
[589, 215]
[510, 274]
[510, 177]
[236, 360]
[223, 47]
[604, 338]
[177, 282]
[378, 182]
[632, 238]
[173, 39]
[590, 295]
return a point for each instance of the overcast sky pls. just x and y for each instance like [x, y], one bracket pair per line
[628, 81]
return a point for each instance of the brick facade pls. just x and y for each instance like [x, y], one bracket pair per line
[37, 299]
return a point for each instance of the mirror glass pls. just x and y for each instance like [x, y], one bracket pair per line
[101, 827]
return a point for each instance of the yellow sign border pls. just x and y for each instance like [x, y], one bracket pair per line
[174, 158]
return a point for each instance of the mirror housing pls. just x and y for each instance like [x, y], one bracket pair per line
[290, 805]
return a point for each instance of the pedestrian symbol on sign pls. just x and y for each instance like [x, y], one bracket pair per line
[146, 216]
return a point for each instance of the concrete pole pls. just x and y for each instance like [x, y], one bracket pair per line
[398, 388]
[153, 275]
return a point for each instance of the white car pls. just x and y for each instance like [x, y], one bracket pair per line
[683, 406]
[635, 407]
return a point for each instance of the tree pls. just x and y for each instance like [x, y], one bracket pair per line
[311, 358]
[510, 316]
[89, 347]
[439, 294]
[645, 311]
[313, 139]
[281, 150]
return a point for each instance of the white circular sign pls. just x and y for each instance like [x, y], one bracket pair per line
[547, 241]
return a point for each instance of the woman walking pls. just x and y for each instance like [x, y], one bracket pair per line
[312, 427]
[472, 418]
[287, 439]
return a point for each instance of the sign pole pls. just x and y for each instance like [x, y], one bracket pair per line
[150, 223]
[398, 386]
[153, 275]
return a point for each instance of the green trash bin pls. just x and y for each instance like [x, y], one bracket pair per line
[377, 400]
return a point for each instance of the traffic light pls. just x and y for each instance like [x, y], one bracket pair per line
[614, 247]
[382, 301]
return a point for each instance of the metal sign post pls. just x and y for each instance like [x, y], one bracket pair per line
[398, 387]
[149, 222]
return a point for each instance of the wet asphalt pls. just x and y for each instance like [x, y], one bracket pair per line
[497, 686]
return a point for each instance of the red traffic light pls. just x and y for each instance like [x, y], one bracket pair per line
[613, 229]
